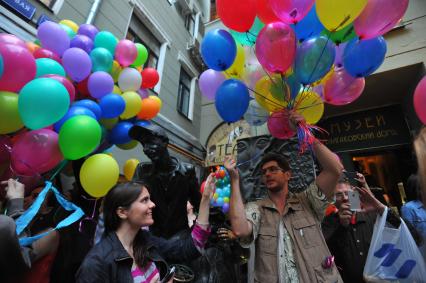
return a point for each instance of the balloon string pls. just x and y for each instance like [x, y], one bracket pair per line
[59, 169]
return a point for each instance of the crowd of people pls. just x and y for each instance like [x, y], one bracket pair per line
[150, 227]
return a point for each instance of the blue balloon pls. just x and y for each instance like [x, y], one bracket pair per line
[91, 105]
[294, 85]
[120, 133]
[1, 66]
[142, 123]
[362, 57]
[309, 26]
[314, 58]
[112, 105]
[232, 100]
[73, 111]
[218, 49]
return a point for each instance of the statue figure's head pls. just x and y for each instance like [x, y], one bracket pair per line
[153, 139]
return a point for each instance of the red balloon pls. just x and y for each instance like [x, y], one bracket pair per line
[341, 88]
[44, 53]
[238, 15]
[19, 67]
[420, 100]
[83, 90]
[150, 77]
[67, 84]
[265, 12]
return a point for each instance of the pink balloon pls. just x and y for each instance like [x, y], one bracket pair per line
[379, 17]
[276, 47]
[342, 88]
[19, 67]
[278, 125]
[291, 11]
[420, 100]
[67, 84]
[36, 152]
[210, 81]
[6, 38]
[126, 52]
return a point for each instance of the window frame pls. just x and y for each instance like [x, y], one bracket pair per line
[182, 86]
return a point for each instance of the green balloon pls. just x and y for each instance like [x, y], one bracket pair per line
[48, 66]
[101, 59]
[106, 40]
[10, 121]
[127, 146]
[142, 55]
[79, 136]
[342, 35]
[42, 102]
[248, 38]
[69, 31]
[108, 123]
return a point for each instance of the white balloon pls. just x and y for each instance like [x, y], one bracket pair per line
[256, 115]
[129, 80]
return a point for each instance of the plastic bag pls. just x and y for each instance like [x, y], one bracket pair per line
[393, 255]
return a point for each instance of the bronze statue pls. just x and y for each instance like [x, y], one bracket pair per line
[171, 182]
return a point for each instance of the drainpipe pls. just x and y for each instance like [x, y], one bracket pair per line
[93, 11]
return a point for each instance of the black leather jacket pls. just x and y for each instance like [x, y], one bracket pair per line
[109, 262]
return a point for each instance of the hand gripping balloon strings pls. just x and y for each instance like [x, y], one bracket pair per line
[88, 219]
[305, 136]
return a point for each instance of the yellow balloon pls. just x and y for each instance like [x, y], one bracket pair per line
[116, 90]
[237, 68]
[115, 71]
[129, 168]
[133, 104]
[126, 146]
[10, 121]
[337, 14]
[271, 93]
[72, 25]
[108, 123]
[98, 174]
[309, 105]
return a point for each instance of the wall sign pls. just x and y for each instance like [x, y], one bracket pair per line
[23, 7]
[374, 128]
[223, 141]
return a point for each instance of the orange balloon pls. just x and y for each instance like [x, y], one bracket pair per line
[150, 107]
[32, 46]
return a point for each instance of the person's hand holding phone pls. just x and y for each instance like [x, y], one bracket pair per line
[169, 276]
[369, 201]
[345, 214]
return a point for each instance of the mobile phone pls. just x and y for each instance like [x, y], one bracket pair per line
[354, 201]
[169, 275]
[352, 178]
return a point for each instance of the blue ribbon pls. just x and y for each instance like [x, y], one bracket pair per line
[25, 219]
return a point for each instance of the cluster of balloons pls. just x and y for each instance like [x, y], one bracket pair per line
[223, 190]
[74, 92]
[286, 55]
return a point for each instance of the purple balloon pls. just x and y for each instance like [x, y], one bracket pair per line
[225, 207]
[53, 37]
[210, 81]
[100, 84]
[338, 60]
[342, 88]
[77, 64]
[143, 93]
[83, 42]
[88, 30]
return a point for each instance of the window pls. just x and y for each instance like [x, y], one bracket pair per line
[139, 33]
[184, 95]
[213, 11]
[48, 3]
[190, 23]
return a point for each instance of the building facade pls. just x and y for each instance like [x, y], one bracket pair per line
[171, 31]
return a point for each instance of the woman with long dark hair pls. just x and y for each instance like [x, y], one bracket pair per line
[129, 253]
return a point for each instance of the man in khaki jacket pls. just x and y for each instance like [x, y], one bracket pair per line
[285, 227]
